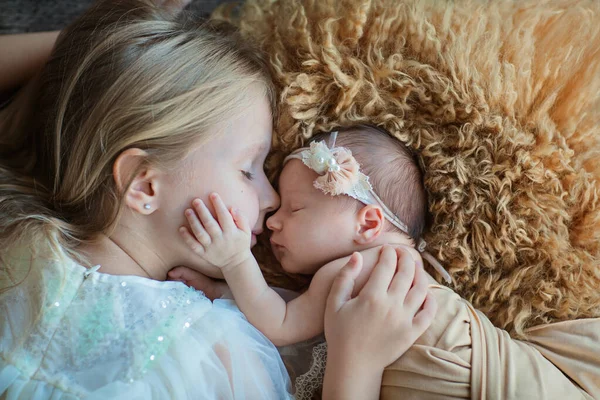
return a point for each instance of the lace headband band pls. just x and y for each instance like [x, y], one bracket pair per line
[340, 175]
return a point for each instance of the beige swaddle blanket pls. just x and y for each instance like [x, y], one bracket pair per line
[462, 355]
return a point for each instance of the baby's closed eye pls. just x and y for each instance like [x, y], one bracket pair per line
[296, 205]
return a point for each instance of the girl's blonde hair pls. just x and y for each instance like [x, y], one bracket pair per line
[126, 74]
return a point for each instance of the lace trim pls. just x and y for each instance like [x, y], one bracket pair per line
[310, 384]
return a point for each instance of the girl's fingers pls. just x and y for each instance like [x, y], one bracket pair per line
[382, 273]
[208, 221]
[240, 221]
[197, 229]
[425, 317]
[403, 279]
[191, 241]
[223, 215]
[341, 289]
[416, 256]
[212, 288]
[417, 294]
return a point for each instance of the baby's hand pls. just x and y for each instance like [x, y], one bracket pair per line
[388, 315]
[224, 244]
[212, 288]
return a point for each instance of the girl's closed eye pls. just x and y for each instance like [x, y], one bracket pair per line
[249, 175]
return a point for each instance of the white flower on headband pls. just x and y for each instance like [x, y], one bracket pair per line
[339, 170]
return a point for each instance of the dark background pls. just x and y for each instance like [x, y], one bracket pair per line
[18, 16]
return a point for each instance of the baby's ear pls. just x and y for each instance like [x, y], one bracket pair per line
[369, 224]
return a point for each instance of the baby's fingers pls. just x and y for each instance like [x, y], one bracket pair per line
[240, 220]
[209, 223]
[223, 215]
[197, 229]
[191, 241]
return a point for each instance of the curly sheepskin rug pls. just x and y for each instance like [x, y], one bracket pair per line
[501, 100]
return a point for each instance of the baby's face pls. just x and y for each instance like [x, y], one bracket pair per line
[310, 228]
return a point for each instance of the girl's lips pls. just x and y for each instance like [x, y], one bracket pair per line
[254, 235]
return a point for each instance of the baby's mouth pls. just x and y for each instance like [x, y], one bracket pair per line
[277, 249]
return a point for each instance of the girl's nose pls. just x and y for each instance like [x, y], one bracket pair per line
[271, 199]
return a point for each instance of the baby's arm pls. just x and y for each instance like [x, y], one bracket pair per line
[225, 243]
[283, 323]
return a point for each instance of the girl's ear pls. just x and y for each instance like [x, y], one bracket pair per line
[141, 194]
[369, 224]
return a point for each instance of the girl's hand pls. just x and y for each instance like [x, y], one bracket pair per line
[212, 288]
[388, 315]
[223, 243]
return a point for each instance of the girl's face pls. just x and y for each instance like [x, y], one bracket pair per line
[310, 228]
[230, 164]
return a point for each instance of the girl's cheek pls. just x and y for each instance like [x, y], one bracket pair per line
[254, 213]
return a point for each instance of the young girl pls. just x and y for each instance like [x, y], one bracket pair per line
[136, 113]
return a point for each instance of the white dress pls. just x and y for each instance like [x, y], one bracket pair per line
[66, 333]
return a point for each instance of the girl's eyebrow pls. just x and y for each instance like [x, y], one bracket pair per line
[252, 150]
[257, 148]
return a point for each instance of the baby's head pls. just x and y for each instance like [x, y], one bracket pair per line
[312, 228]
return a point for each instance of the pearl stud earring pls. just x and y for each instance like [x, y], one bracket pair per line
[146, 206]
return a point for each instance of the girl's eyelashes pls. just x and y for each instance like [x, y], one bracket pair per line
[248, 175]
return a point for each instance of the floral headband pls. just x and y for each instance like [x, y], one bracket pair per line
[340, 175]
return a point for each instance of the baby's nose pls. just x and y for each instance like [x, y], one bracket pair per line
[273, 223]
